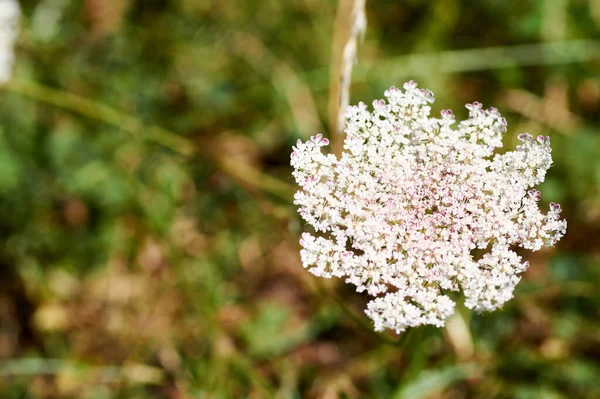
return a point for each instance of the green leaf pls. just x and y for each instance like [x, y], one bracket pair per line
[431, 381]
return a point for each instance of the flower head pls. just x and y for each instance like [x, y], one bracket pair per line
[9, 24]
[412, 200]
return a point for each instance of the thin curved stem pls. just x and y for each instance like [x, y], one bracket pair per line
[365, 326]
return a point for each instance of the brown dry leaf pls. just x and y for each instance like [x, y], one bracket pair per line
[62, 284]
[333, 386]
[231, 317]
[9, 328]
[42, 387]
[51, 317]
[139, 373]
[555, 348]
[588, 93]
[68, 383]
[186, 236]
[231, 145]
[250, 252]
[116, 288]
[118, 312]
[169, 358]
[318, 353]
[76, 212]
[538, 265]
[106, 17]
[150, 257]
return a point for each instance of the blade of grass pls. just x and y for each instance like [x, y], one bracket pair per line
[387, 71]
[31, 367]
[457, 61]
[100, 112]
[242, 173]
[429, 382]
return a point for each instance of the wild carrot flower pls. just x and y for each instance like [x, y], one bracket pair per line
[415, 208]
[9, 24]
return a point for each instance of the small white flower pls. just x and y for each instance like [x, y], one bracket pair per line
[402, 212]
[9, 29]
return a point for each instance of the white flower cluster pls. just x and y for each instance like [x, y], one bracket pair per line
[415, 208]
[9, 29]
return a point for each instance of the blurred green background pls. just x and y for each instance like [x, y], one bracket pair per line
[148, 240]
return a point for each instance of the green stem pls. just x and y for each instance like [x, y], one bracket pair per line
[365, 326]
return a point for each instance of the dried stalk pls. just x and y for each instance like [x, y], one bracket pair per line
[350, 25]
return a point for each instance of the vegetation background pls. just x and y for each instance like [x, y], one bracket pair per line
[148, 237]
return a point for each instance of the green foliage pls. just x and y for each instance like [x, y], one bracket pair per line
[149, 241]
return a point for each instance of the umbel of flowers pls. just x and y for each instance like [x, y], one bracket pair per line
[412, 199]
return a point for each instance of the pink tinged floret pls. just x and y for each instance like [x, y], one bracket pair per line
[402, 212]
[535, 194]
[525, 137]
[410, 85]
